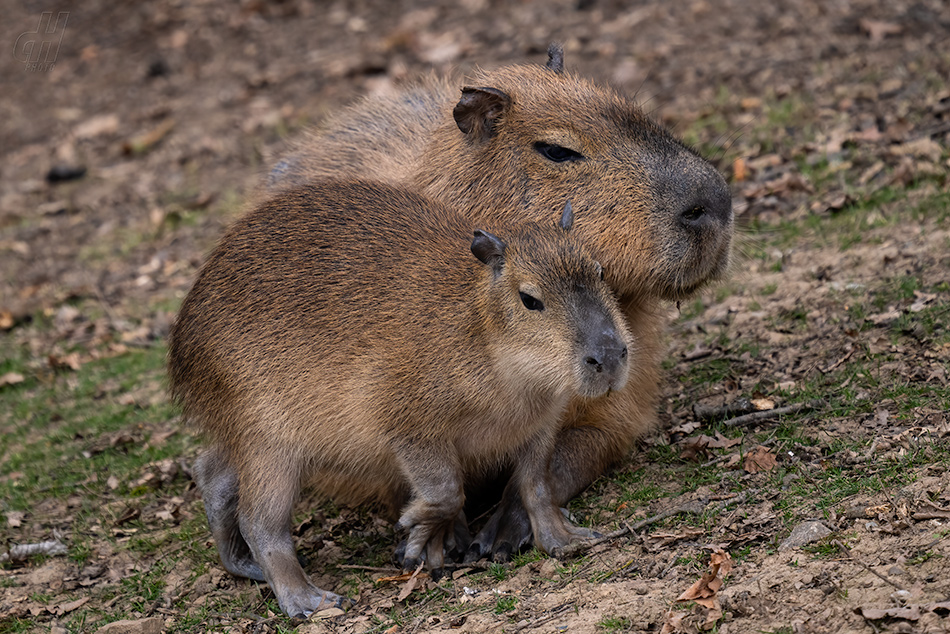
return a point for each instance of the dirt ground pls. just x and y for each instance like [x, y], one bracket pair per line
[813, 109]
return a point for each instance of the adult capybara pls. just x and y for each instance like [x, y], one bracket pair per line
[511, 146]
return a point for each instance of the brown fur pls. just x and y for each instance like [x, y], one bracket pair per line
[655, 214]
[357, 337]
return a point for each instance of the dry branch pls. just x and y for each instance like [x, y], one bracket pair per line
[756, 417]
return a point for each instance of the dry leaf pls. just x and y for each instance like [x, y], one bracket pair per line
[97, 126]
[740, 171]
[674, 621]
[761, 459]
[408, 588]
[763, 404]
[67, 362]
[697, 445]
[63, 608]
[877, 30]
[684, 428]
[15, 518]
[705, 591]
[145, 142]
[11, 378]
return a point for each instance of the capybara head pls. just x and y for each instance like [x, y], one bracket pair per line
[657, 215]
[547, 305]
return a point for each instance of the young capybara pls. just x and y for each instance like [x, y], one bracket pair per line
[364, 340]
[509, 147]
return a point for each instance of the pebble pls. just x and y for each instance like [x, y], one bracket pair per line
[805, 533]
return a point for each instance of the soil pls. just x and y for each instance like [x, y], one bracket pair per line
[175, 110]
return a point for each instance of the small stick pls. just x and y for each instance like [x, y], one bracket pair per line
[369, 568]
[709, 412]
[695, 507]
[845, 550]
[755, 417]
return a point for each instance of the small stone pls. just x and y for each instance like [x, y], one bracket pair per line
[805, 533]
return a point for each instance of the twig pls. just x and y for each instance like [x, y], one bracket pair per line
[767, 414]
[697, 354]
[554, 613]
[845, 550]
[838, 362]
[695, 507]
[709, 412]
[369, 568]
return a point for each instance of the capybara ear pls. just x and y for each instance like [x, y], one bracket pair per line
[555, 58]
[479, 110]
[489, 249]
[567, 217]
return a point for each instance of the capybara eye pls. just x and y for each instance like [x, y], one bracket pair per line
[531, 303]
[557, 153]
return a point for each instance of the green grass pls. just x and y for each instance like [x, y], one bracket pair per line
[57, 429]
[505, 604]
[614, 624]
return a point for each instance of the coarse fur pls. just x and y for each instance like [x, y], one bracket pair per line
[364, 340]
[510, 146]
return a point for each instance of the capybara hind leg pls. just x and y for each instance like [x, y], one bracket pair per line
[265, 508]
[507, 531]
[218, 481]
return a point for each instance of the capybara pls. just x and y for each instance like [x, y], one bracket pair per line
[379, 346]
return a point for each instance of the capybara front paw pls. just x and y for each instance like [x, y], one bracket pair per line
[555, 535]
[302, 602]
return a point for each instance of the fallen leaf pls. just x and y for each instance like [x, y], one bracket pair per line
[761, 459]
[740, 171]
[145, 142]
[882, 319]
[408, 588]
[763, 404]
[877, 30]
[924, 147]
[11, 378]
[63, 608]
[698, 445]
[66, 362]
[15, 518]
[96, 126]
[705, 591]
[684, 428]
[673, 623]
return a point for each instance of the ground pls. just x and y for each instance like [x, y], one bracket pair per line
[831, 121]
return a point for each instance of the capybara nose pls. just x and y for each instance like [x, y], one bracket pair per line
[709, 206]
[611, 359]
